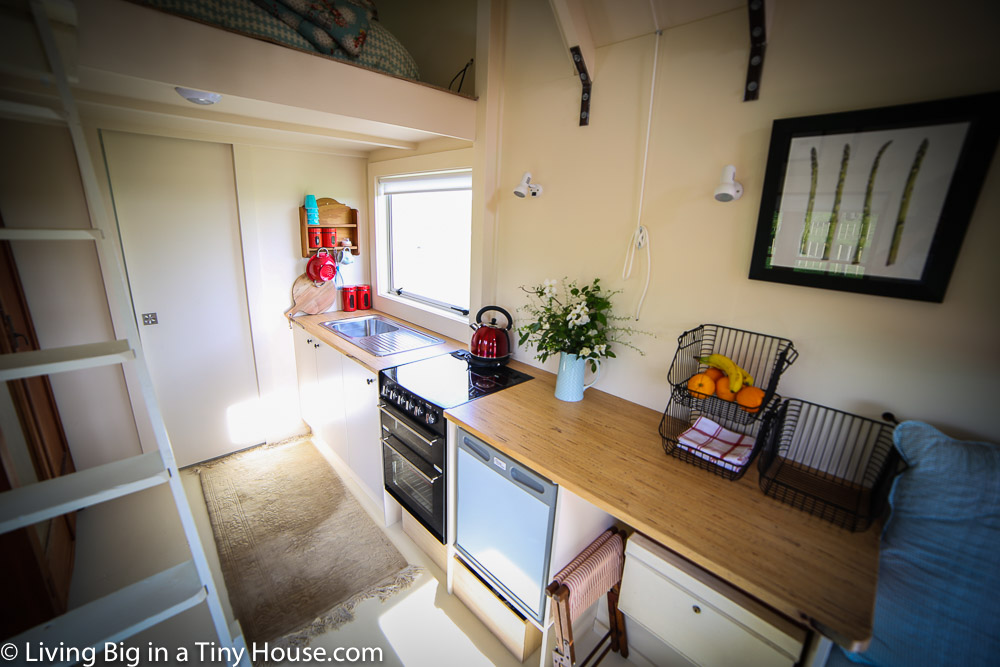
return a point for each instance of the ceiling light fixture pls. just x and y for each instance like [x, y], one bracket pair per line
[198, 96]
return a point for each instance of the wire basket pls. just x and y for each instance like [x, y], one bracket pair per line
[678, 417]
[832, 464]
[763, 357]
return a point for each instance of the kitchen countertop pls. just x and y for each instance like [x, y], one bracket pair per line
[608, 451]
[312, 324]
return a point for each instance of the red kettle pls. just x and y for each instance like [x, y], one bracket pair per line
[321, 267]
[490, 344]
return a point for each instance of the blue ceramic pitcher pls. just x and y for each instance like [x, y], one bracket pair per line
[569, 381]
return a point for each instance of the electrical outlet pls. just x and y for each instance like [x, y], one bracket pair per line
[148, 318]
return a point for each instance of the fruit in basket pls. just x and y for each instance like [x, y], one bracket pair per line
[722, 389]
[750, 398]
[737, 376]
[701, 386]
[715, 374]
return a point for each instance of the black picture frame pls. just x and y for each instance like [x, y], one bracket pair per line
[809, 176]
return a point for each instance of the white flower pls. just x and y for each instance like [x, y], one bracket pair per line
[585, 352]
[549, 288]
[600, 349]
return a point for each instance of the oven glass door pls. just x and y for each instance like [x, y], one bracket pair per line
[415, 483]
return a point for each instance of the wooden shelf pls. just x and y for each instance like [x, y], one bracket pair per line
[332, 215]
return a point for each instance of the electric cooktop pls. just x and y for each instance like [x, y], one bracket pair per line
[448, 380]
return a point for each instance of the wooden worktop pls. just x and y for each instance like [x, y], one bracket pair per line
[608, 451]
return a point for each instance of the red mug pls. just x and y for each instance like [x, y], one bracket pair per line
[328, 236]
[364, 297]
[350, 298]
[315, 238]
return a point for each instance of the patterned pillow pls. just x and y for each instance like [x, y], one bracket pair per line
[326, 24]
[938, 599]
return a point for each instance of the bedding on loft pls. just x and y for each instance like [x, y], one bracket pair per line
[347, 30]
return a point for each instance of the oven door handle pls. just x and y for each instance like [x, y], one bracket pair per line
[430, 443]
[404, 454]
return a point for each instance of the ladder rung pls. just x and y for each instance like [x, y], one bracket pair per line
[19, 110]
[61, 359]
[7, 234]
[30, 504]
[119, 615]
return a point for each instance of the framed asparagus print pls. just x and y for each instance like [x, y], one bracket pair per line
[874, 201]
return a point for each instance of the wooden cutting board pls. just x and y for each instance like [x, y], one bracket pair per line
[310, 298]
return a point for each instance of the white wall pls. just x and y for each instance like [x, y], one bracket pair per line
[272, 184]
[864, 354]
[40, 188]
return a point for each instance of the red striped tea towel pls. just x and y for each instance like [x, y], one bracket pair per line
[709, 441]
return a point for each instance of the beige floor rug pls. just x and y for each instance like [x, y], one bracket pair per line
[298, 552]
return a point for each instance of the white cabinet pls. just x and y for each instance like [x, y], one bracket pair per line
[698, 616]
[362, 427]
[338, 398]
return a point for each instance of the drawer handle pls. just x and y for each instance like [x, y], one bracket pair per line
[696, 609]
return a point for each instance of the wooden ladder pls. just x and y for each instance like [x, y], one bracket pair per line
[141, 605]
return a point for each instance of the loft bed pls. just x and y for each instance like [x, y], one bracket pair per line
[346, 30]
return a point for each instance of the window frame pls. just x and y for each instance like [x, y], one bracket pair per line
[445, 322]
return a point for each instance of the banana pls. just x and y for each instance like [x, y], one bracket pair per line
[737, 376]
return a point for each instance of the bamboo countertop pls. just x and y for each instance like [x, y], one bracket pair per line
[608, 451]
[312, 324]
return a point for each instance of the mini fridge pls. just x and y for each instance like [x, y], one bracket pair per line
[504, 518]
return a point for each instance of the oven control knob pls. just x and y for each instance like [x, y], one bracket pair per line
[392, 394]
[385, 390]
[431, 417]
[418, 410]
[400, 399]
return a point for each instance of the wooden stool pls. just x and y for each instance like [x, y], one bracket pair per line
[596, 571]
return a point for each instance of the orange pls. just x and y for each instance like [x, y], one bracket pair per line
[701, 386]
[715, 374]
[750, 398]
[722, 389]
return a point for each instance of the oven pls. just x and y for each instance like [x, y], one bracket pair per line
[413, 467]
[412, 401]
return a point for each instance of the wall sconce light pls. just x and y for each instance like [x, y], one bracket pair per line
[728, 189]
[526, 188]
[198, 96]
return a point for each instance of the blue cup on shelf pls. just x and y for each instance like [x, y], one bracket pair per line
[312, 211]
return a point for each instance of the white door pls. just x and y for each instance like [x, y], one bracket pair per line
[363, 427]
[328, 403]
[176, 206]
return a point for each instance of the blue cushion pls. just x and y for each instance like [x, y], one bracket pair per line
[938, 599]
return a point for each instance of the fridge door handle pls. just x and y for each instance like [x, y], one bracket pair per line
[476, 448]
[526, 481]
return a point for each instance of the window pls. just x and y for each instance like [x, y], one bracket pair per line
[428, 234]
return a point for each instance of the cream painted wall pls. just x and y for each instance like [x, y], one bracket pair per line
[864, 354]
[40, 187]
[271, 185]
[441, 37]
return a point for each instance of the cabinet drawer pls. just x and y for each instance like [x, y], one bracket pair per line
[707, 621]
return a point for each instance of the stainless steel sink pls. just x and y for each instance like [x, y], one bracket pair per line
[379, 336]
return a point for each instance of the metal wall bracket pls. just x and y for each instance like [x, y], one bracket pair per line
[758, 43]
[581, 69]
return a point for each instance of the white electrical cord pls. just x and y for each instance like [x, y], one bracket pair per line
[640, 237]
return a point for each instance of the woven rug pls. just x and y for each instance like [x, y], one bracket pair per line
[298, 552]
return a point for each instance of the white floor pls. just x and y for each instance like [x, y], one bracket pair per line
[122, 541]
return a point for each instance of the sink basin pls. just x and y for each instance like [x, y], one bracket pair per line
[361, 326]
[379, 336]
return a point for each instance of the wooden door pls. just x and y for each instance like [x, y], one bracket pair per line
[37, 561]
[175, 201]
